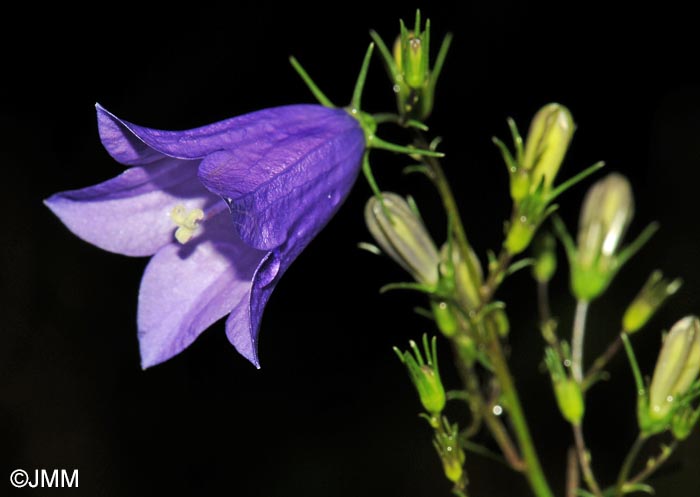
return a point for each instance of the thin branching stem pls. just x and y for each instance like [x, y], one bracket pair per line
[584, 460]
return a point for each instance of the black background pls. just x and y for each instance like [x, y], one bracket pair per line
[331, 413]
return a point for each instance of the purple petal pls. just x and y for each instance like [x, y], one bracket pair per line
[243, 325]
[186, 288]
[290, 183]
[136, 145]
[130, 214]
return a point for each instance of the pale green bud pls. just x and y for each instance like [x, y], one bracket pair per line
[400, 232]
[547, 141]
[570, 400]
[566, 390]
[499, 318]
[519, 236]
[445, 318]
[683, 422]
[425, 375]
[606, 213]
[545, 252]
[676, 368]
[655, 291]
[468, 275]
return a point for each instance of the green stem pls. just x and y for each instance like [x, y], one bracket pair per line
[547, 324]
[533, 470]
[543, 302]
[584, 460]
[495, 276]
[481, 410]
[437, 176]
[601, 362]
[655, 463]
[577, 340]
[627, 465]
[503, 440]
[572, 474]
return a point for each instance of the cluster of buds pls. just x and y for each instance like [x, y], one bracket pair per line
[447, 276]
[409, 69]
[674, 385]
[533, 169]
[425, 376]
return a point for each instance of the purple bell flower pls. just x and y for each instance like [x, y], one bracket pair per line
[223, 209]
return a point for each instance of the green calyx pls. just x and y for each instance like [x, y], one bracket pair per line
[368, 122]
[408, 68]
[425, 375]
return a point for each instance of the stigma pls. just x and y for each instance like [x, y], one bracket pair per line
[186, 222]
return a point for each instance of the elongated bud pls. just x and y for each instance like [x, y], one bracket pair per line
[547, 142]
[425, 375]
[468, 275]
[401, 234]
[654, 293]
[545, 252]
[676, 368]
[606, 213]
[411, 58]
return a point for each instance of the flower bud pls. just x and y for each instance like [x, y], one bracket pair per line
[411, 58]
[408, 65]
[569, 400]
[468, 275]
[654, 293]
[447, 444]
[606, 213]
[566, 390]
[676, 368]
[545, 253]
[400, 232]
[445, 318]
[547, 142]
[519, 235]
[425, 375]
[683, 422]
